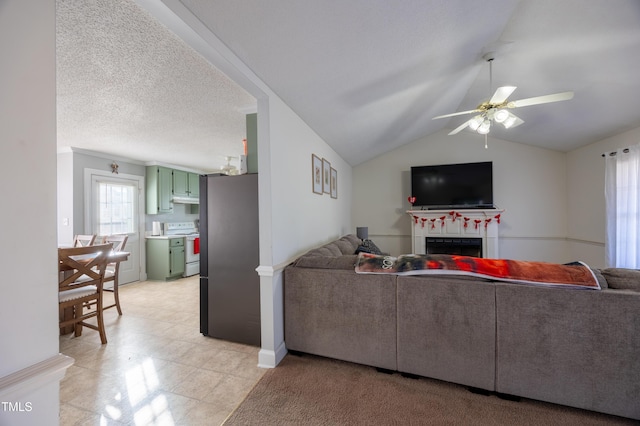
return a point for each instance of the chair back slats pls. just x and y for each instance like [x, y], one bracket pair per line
[81, 277]
[118, 241]
[83, 240]
[82, 266]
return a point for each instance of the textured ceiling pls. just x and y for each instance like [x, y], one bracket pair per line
[127, 86]
[366, 75]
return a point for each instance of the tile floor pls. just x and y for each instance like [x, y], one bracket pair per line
[156, 369]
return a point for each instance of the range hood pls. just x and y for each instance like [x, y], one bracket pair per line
[185, 200]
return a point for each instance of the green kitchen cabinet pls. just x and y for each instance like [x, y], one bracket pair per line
[180, 183]
[186, 184]
[194, 185]
[165, 258]
[159, 190]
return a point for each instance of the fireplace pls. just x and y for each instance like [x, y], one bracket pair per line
[460, 246]
[472, 232]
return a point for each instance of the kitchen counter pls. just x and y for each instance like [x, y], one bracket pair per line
[163, 237]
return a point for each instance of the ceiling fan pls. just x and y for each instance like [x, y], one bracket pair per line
[229, 169]
[497, 108]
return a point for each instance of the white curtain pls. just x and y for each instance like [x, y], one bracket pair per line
[622, 194]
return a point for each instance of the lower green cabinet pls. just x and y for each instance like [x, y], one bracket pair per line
[165, 258]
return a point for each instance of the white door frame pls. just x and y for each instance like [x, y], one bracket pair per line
[89, 206]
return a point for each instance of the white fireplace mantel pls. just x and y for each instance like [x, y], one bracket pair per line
[475, 223]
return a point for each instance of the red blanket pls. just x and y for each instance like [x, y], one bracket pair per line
[571, 275]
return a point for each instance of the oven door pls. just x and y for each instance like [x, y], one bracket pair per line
[189, 250]
[192, 259]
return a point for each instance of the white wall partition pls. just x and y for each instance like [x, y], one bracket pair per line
[30, 366]
[292, 218]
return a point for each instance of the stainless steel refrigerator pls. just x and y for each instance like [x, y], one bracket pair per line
[229, 256]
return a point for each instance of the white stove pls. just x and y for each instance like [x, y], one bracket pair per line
[180, 228]
[191, 244]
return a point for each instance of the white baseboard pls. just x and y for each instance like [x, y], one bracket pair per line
[22, 382]
[269, 358]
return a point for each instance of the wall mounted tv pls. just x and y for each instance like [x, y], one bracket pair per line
[459, 186]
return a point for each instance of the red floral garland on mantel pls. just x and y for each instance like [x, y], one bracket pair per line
[454, 215]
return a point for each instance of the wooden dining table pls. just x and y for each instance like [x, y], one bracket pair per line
[114, 257]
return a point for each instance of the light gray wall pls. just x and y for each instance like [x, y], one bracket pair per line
[82, 161]
[65, 215]
[555, 207]
[529, 183]
[586, 212]
[70, 195]
[28, 289]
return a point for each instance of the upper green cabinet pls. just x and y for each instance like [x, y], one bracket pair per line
[186, 184]
[180, 183]
[165, 184]
[194, 185]
[159, 190]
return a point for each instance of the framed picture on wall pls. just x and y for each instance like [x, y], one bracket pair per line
[326, 176]
[334, 183]
[316, 173]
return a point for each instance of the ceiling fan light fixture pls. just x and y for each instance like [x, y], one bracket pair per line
[509, 121]
[475, 122]
[484, 128]
[497, 107]
[501, 115]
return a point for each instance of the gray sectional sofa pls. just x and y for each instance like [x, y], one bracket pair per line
[579, 348]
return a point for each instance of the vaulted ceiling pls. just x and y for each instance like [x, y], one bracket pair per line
[367, 75]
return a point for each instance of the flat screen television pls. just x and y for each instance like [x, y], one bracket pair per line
[459, 186]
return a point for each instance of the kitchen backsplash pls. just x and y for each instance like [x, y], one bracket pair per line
[181, 213]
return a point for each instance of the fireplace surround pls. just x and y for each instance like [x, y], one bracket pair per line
[471, 232]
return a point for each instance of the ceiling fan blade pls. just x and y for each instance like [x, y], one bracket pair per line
[556, 97]
[459, 128]
[501, 95]
[456, 113]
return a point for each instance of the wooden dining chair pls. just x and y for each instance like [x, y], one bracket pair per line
[83, 240]
[113, 269]
[81, 271]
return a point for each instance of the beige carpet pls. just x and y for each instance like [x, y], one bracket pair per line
[309, 390]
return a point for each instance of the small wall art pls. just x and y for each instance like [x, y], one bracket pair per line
[316, 174]
[334, 183]
[326, 176]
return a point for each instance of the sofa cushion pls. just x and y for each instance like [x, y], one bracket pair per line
[327, 262]
[622, 279]
[341, 315]
[353, 240]
[333, 249]
[320, 251]
[345, 246]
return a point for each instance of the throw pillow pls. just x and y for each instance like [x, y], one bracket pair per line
[368, 246]
[600, 277]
